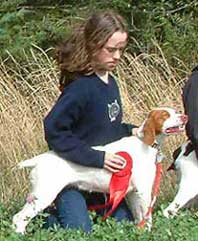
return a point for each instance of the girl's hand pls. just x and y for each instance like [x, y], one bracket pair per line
[113, 162]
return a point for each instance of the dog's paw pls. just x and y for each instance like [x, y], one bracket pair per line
[168, 213]
[18, 225]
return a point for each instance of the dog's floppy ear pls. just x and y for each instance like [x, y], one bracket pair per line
[149, 130]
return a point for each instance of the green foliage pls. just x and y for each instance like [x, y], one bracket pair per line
[171, 24]
[22, 27]
[181, 228]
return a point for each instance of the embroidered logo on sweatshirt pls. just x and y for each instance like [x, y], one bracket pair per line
[114, 110]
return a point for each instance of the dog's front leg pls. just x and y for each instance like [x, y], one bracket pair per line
[187, 191]
[137, 205]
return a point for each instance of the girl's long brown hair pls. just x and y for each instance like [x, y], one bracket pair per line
[75, 54]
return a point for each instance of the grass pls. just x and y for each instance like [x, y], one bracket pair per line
[27, 92]
[178, 229]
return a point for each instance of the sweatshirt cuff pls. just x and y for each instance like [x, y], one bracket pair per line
[130, 128]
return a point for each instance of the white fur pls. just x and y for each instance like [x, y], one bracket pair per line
[50, 174]
[187, 170]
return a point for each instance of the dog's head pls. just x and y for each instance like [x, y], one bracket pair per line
[162, 121]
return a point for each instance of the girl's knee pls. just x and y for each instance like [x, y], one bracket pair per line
[72, 210]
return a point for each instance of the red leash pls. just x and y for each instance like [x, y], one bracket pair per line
[118, 186]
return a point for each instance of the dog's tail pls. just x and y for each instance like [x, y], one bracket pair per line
[27, 163]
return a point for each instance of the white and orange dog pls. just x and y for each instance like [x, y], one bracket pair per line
[48, 167]
[186, 166]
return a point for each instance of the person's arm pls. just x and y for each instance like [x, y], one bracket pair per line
[190, 99]
[61, 139]
[58, 129]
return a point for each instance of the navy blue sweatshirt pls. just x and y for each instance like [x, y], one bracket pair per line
[87, 113]
[190, 101]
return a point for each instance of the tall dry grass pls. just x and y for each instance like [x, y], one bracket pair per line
[27, 92]
[29, 89]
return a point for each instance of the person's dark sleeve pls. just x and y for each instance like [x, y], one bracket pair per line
[190, 100]
[58, 124]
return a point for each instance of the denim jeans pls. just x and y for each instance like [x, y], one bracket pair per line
[71, 210]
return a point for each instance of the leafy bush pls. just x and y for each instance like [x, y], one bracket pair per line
[172, 24]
